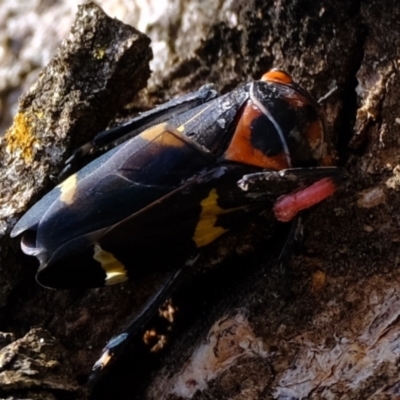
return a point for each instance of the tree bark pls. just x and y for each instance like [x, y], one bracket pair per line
[242, 331]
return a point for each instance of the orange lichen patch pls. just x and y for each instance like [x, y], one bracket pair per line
[241, 150]
[168, 311]
[20, 138]
[318, 280]
[154, 340]
[315, 134]
[277, 76]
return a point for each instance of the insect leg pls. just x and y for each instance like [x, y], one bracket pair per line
[116, 346]
[325, 181]
[294, 236]
[258, 180]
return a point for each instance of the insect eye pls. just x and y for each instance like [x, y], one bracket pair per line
[277, 76]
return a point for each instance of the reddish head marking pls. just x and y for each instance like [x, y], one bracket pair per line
[241, 150]
[277, 76]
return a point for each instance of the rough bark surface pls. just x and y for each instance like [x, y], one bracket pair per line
[242, 331]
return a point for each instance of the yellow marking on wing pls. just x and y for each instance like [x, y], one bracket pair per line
[206, 231]
[68, 189]
[114, 269]
[159, 134]
[103, 360]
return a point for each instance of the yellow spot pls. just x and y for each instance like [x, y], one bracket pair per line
[160, 134]
[114, 269]
[103, 360]
[206, 231]
[99, 54]
[68, 189]
[318, 280]
[20, 138]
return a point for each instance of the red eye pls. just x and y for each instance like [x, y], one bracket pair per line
[277, 76]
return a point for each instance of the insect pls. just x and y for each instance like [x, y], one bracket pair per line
[172, 189]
